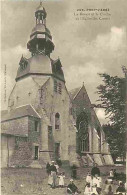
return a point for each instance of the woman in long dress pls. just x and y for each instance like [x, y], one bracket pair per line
[50, 178]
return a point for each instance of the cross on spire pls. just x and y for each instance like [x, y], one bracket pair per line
[40, 2]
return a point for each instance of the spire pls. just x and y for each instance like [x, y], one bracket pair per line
[40, 39]
[40, 14]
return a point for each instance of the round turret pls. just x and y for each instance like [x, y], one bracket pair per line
[40, 12]
[40, 37]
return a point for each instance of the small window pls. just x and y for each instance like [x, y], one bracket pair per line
[57, 121]
[36, 125]
[36, 153]
[60, 88]
[55, 85]
[50, 130]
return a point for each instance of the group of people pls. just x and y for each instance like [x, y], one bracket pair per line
[53, 174]
[93, 182]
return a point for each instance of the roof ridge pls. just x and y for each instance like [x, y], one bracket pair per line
[23, 105]
[35, 111]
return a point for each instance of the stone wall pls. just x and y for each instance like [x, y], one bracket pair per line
[20, 150]
[47, 104]
[7, 149]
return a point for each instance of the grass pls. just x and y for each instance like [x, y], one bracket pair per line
[34, 181]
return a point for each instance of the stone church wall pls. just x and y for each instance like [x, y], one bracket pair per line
[24, 92]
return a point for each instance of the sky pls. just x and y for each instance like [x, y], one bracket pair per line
[85, 47]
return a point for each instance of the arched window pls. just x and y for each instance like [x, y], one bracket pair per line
[83, 133]
[57, 121]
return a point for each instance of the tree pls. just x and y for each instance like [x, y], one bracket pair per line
[112, 99]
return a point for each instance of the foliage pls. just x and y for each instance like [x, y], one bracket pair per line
[112, 99]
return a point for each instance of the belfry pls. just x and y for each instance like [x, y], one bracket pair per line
[40, 38]
[44, 121]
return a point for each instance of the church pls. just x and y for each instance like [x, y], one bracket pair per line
[44, 121]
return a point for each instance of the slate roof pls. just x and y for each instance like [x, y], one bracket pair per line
[14, 133]
[74, 92]
[25, 110]
[40, 65]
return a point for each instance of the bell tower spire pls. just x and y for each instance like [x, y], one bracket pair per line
[40, 39]
[40, 14]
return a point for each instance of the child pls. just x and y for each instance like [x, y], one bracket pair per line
[108, 187]
[99, 183]
[95, 179]
[88, 178]
[110, 192]
[87, 189]
[111, 174]
[94, 189]
[61, 180]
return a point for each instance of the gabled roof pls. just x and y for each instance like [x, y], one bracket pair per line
[73, 93]
[57, 69]
[25, 110]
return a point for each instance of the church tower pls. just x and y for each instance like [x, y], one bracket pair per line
[41, 120]
[40, 95]
[41, 46]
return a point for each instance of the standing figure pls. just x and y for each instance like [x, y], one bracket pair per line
[94, 189]
[48, 168]
[99, 184]
[53, 174]
[87, 189]
[89, 178]
[110, 192]
[57, 167]
[108, 187]
[50, 180]
[61, 180]
[111, 174]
